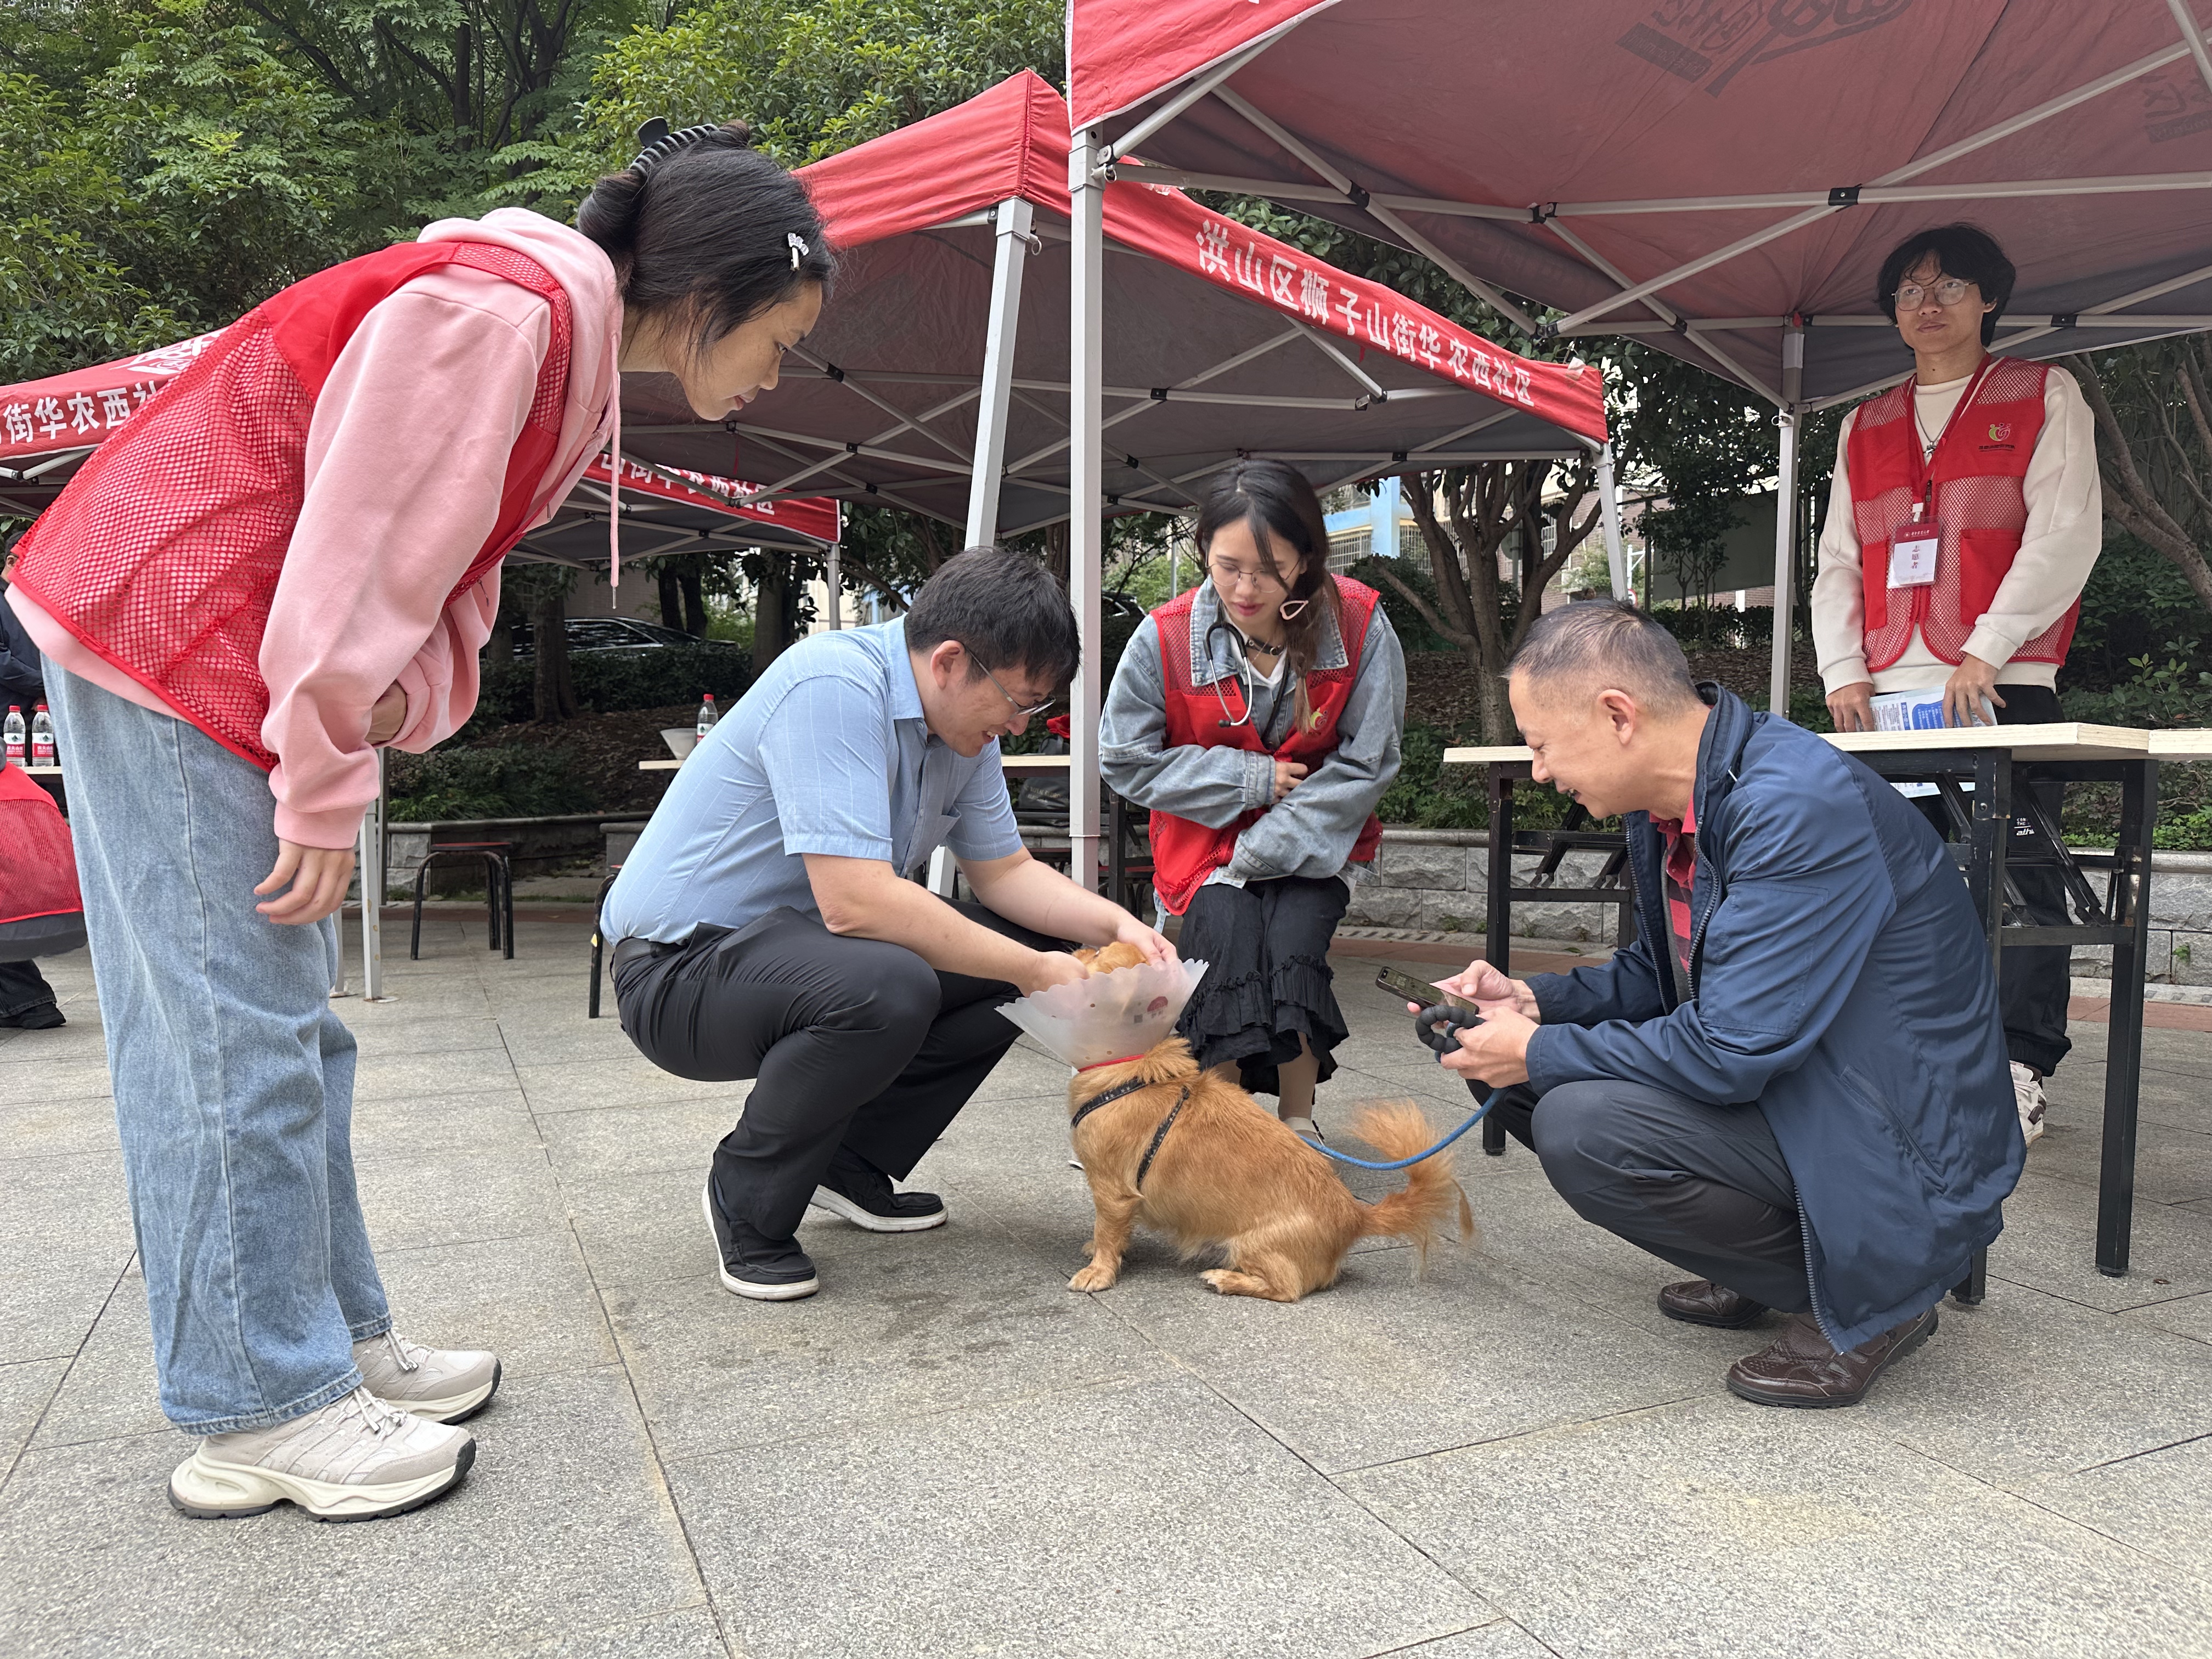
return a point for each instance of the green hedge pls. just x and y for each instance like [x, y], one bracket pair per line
[607, 681]
[510, 782]
[1717, 627]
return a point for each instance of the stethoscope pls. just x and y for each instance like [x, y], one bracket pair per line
[1288, 613]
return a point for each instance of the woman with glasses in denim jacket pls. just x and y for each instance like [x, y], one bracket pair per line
[1258, 718]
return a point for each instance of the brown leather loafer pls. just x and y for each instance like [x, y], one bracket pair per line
[1701, 1302]
[1801, 1368]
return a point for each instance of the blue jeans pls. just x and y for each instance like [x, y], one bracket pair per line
[233, 1080]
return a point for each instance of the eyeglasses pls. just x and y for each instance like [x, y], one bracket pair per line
[1910, 296]
[1029, 711]
[1227, 576]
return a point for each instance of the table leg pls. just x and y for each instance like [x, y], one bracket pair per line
[2116, 1180]
[1971, 1290]
[1986, 847]
[1499, 920]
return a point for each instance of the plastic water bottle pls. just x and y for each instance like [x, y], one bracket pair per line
[42, 738]
[15, 731]
[708, 715]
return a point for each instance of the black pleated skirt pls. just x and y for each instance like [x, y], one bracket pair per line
[1267, 980]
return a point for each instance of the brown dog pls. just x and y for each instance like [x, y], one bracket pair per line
[1190, 1154]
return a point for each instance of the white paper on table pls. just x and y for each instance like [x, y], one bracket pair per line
[1108, 1015]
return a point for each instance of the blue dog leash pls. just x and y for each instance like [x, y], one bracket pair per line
[1440, 1031]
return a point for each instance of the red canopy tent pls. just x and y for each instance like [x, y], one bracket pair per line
[947, 340]
[1720, 179]
[938, 377]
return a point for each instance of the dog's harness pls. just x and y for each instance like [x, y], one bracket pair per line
[1158, 1134]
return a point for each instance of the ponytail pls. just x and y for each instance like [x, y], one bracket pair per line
[702, 224]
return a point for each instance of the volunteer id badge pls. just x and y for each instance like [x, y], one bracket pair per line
[1912, 555]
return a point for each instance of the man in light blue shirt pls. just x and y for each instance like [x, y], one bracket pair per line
[768, 924]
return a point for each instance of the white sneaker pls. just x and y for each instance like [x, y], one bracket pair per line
[1306, 1126]
[2028, 1095]
[349, 1461]
[445, 1385]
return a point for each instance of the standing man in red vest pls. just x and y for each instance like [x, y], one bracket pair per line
[1962, 526]
[1259, 717]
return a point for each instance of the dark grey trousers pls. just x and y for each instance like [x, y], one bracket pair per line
[22, 986]
[1704, 1187]
[853, 1043]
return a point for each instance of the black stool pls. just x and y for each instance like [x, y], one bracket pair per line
[499, 890]
[598, 940]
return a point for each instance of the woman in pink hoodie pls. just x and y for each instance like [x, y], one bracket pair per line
[286, 559]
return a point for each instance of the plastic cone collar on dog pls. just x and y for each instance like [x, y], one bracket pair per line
[1108, 1016]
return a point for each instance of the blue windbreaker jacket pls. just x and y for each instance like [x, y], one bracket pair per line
[1841, 984]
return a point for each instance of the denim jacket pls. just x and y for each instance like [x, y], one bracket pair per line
[1310, 831]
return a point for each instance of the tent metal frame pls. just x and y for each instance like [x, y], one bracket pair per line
[1103, 157]
[822, 465]
[1018, 230]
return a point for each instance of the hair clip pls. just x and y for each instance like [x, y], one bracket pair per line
[799, 249]
[659, 144]
[1291, 609]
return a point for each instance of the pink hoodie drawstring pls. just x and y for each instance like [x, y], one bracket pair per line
[614, 495]
[614, 459]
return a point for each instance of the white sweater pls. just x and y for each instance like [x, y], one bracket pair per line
[2065, 529]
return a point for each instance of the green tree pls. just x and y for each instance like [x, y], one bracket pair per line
[2153, 404]
[1497, 511]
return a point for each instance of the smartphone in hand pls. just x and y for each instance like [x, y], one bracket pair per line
[1422, 995]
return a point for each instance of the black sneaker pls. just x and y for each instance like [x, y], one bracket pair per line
[754, 1264]
[44, 1017]
[856, 1189]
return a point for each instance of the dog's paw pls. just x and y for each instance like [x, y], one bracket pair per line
[1094, 1278]
[1219, 1279]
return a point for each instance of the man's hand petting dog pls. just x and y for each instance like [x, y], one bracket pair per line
[1152, 946]
[1051, 967]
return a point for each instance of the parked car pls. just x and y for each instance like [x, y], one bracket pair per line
[618, 634]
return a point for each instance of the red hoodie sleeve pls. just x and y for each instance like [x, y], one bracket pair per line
[406, 456]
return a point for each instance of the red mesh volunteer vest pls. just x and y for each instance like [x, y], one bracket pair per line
[39, 876]
[162, 554]
[1980, 512]
[1185, 853]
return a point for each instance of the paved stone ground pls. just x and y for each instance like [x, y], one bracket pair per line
[945, 1453]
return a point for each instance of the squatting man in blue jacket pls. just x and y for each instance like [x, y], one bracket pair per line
[1794, 1084]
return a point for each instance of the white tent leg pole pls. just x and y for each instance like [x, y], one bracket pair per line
[372, 892]
[1086, 531]
[1608, 503]
[990, 461]
[1785, 517]
[836, 580]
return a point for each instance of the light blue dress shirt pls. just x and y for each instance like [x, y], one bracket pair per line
[827, 753]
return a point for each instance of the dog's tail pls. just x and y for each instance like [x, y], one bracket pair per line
[1431, 1197]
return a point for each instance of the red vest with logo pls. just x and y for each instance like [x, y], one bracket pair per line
[1185, 853]
[162, 554]
[1980, 511]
